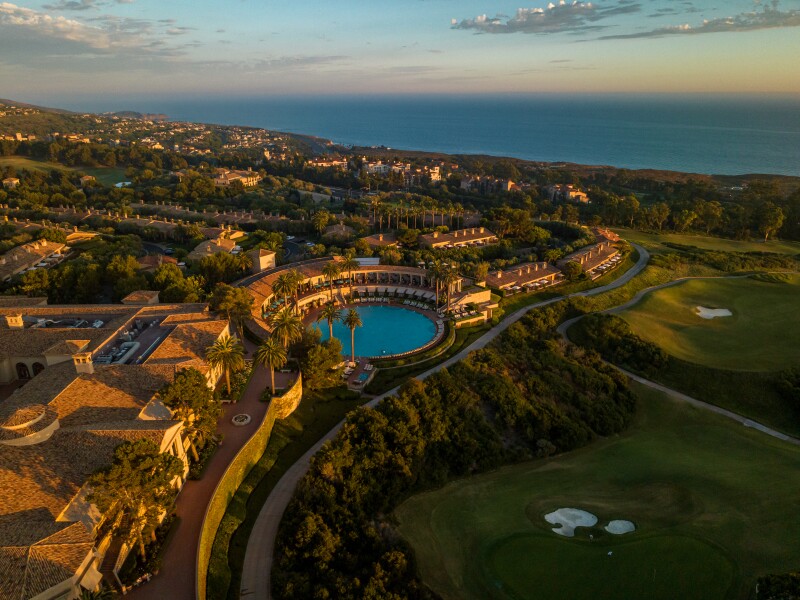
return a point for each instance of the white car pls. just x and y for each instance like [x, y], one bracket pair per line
[289, 238]
[309, 244]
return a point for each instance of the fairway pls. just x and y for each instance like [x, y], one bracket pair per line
[654, 242]
[105, 175]
[714, 505]
[762, 334]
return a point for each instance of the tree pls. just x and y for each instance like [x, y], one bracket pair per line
[660, 213]
[320, 220]
[226, 353]
[319, 366]
[191, 401]
[331, 270]
[770, 219]
[350, 264]
[236, 303]
[572, 270]
[630, 205]
[330, 313]
[135, 490]
[352, 320]
[271, 354]
[449, 277]
[283, 286]
[286, 326]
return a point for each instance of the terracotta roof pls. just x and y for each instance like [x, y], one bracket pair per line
[381, 240]
[153, 261]
[22, 301]
[27, 255]
[520, 275]
[211, 247]
[462, 236]
[141, 297]
[186, 318]
[69, 347]
[187, 342]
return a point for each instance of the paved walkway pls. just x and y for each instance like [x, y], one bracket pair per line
[257, 568]
[177, 578]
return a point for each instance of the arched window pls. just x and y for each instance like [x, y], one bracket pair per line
[22, 371]
[37, 368]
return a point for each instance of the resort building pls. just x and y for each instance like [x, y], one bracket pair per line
[368, 281]
[91, 376]
[339, 232]
[474, 236]
[381, 240]
[262, 259]
[524, 277]
[151, 262]
[225, 177]
[566, 193]
[597, 258]
[38, 254]
[10, 183]
[210, 248]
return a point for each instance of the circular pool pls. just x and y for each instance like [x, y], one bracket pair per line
[386, 330]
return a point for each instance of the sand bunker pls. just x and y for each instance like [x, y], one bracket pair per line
[568, 519]
[620, 527]
[711, 313]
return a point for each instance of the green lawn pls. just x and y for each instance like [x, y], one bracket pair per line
[761, 335]
[105, 175]
[714, 504]
[654, 242]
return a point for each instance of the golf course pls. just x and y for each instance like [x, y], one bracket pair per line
[105, 175]
[757, 330]
[708, 498]
[656, 242]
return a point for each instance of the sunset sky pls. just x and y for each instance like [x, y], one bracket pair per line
[74, 49]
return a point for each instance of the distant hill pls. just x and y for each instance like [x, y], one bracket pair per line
[58, 111]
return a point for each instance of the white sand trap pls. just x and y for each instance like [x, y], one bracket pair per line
[568, 519]
[620, 527]
[712, 313]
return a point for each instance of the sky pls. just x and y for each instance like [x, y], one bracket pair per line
[69, 50]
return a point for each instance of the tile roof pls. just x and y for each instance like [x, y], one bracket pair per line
[141, 297]
[211, 247]
[187, 343]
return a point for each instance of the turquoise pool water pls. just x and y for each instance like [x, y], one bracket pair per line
[386, 330]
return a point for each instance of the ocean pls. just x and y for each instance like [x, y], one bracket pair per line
[714, 135]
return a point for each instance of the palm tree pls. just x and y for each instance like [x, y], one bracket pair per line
[449, 277]
[350, 264]
[330, 314]
[320, 220]
[271, 354]
[296, 279]
[434, 273]
[286, 326]
[228, 353]
[282, 286]
[352, 320]
[331, 271]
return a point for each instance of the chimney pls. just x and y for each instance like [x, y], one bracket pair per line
[380, 237]
[499, 274]
[529, 269]
[536, 267]
[482, 230]
[83, 362]
[455, 234]
[520, 272]
[435, 234]
[14, 321]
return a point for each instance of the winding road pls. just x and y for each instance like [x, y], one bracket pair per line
[257, 568]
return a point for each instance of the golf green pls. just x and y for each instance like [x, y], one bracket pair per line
[714, 505]
[657, 568]
[761, 334]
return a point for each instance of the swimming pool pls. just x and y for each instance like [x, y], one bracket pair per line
[386, 330]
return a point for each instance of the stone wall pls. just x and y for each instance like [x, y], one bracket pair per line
[290, 400]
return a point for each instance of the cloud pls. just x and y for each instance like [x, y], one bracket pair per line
[769, 18]
[556, 18]
[64, 5]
